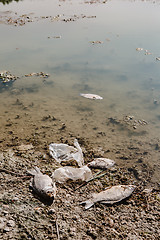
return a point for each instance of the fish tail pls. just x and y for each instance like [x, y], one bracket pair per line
[34, 171]
[87, 203]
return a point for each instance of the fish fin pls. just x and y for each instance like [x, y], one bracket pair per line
[87, 203]
[31, 184]
[108, 202]
[34, 171]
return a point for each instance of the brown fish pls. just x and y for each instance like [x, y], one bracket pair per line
[110, 195]
[42, 184]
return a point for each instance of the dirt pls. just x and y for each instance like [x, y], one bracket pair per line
[26, 216]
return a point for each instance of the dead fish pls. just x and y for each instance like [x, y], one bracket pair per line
[110, 195]
[42, 184]
[91, 96]
[102, 163]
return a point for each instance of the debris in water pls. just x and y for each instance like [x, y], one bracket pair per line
[56, 37]
[139, 49]
[158, 58]
[62, 174]
[147, 52]
[91, 96]
[130, 120]
[96, 42]
[63, 152]
[110, 195]
[102, 163]
[40, 74]
[42, 184]
[6, 76]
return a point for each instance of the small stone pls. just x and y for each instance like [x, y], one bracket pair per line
[7, 229]
[110, 222]
[11, 223]
[51, 211]
[16, 199]
[5, 212]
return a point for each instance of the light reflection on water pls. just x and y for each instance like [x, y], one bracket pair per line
[127, 79]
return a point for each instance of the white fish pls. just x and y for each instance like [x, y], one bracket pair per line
[102, 163]
[110, 195]
[91, 96]
[62, 174]
[42, 184]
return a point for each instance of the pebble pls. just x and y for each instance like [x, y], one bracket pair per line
[7, 229]
[110, 222]
[5, 212]
[51, 211]
[11, 223]
[16, 199]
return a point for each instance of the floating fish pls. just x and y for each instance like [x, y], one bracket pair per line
[110, 195]
[62, 174]
[102, 163]
[42, 184]
[91, 96]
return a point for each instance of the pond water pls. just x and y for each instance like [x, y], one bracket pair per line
[109, 48]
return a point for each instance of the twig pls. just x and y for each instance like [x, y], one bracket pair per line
[27, 217]
[58, 237]
[23, 216]
[23, 177]
[94, 177]
[10, 172]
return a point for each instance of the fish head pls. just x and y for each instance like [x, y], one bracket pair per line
[51, 192]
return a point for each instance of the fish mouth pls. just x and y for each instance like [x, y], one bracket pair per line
[50, 194]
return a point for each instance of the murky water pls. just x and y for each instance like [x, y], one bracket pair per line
[86, 47]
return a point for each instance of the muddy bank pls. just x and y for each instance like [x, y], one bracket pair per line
[25, 216]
